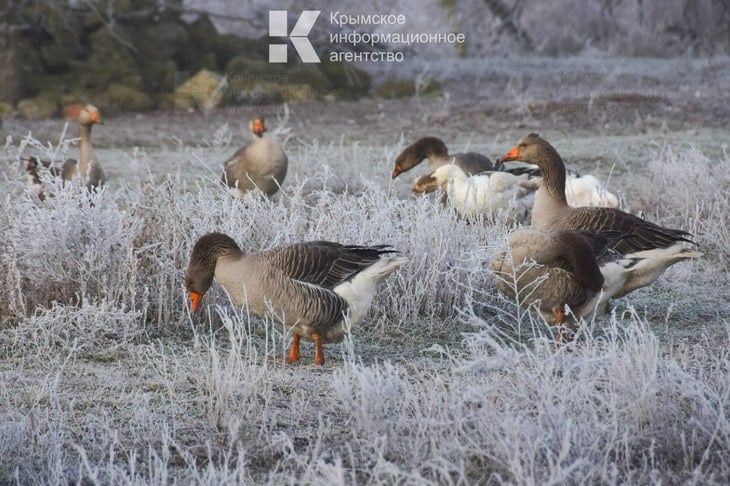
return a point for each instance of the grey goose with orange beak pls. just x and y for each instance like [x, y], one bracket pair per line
[643, 249]
[312, 287]
[260, 165]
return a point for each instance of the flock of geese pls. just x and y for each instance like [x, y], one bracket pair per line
[573, 250]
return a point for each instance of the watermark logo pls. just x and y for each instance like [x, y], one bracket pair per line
[299, 36]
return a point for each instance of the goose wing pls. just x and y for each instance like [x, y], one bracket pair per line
[473, 163]
[324, 263]
[634, 234]
[303, 303]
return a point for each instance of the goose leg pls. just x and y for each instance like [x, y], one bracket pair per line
[318, 349]
[294, 354]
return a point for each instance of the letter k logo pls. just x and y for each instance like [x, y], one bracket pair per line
[299, 35]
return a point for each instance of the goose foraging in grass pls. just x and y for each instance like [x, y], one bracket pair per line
[434, 149]
[87, 166]
[484, 195]
[552, 269]
[260, 165]
[312, 287]
[33, 167]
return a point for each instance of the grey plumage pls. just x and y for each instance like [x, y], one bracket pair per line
[632, 253]
[311, 286]
[260, 165]
[550, 269]
[551, 210]
[435, 150]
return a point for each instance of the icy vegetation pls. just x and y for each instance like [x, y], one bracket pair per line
[107, 378]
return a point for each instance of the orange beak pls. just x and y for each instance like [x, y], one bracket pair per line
[397, 171]
[96, 117]
[195, 299]
[258, 127]
[513, 154]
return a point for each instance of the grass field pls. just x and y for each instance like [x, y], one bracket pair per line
[106, 377]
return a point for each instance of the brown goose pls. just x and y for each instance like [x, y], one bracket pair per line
[552, 270]
[261, 164]
[551, 210]
[310, 286]
[434, 149]
[86, 166]
[33, 167]
[574, 268]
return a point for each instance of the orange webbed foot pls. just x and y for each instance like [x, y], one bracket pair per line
[318, 349]
[294, 353]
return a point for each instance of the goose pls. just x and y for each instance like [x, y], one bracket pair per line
[552, 269]
[586, 190]
[574, 268]
[654, 246]
[580, 189]
[261, 164]
[312, 287]
[483, 195]
[87, 166]
[551, 210]
[33, 167]
[434, 149]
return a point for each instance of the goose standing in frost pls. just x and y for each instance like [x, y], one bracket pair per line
[552, 270]
[87, 166]
[311, 286]
[572, 268]
[485, 195]
[647, 249]
[261, 164]
[434, 149]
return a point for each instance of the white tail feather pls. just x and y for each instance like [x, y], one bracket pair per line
[360, 290]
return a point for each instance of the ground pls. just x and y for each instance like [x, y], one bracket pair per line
[444, 381]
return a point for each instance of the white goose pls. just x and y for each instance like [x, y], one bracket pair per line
[580, 189]
[586, 190]
[485, 195]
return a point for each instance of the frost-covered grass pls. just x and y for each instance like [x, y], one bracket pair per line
[107, 378]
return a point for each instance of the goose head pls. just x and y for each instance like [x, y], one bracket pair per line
[201, 269]
[258, 127]
[531, 148]
[439, 178]
[425, 184]
[84, 114]
[586, 190]
[415, 153]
